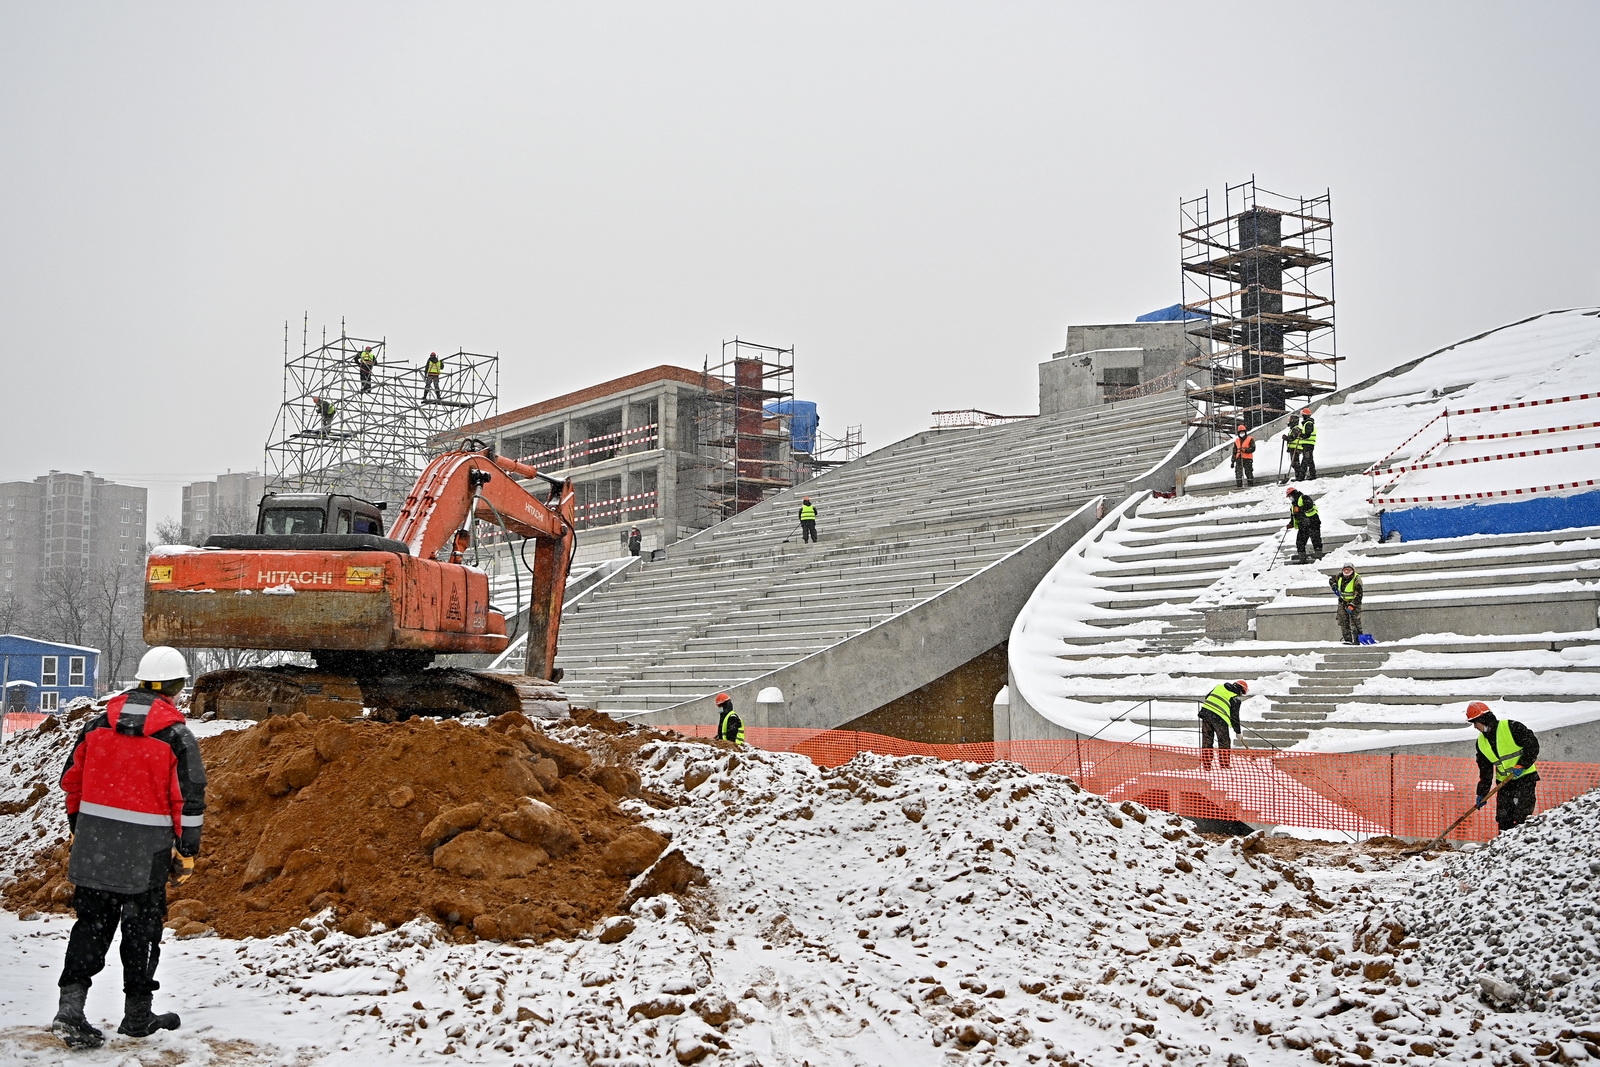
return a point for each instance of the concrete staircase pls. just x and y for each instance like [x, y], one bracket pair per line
[1147, 579]
[899, 529]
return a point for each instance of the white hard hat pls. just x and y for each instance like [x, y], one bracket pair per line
[162, 664]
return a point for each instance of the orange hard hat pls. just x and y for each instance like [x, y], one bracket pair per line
[1243, 427]
[1476, 709]
[1244, 686]
[723, 698]
[1305, 411]
[1291, 491]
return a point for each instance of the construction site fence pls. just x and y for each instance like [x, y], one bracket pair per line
[1362, 795]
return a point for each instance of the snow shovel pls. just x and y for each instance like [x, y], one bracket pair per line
[1281, 479]
[1436, 842]
[792, 532]
[1277, 552]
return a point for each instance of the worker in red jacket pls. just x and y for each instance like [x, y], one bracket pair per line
[135, 790]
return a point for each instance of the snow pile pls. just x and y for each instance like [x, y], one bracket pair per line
[892, 911]
[1518, 922]
[32, 818]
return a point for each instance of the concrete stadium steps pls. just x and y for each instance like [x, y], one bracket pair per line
[1147, 569]
[898, 528]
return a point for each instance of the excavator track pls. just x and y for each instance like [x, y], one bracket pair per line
[438, 692]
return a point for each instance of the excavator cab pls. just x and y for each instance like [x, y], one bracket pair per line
[318, 513]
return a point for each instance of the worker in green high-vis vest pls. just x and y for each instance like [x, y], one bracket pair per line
[1219, 714]
[1508, 756]
[808, 520]
[729, 726]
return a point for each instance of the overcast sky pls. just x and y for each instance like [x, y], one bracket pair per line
[919, 197]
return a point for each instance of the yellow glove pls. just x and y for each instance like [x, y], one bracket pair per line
[182, 868]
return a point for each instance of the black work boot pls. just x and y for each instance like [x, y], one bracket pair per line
[137, 1019]
[70, 1025]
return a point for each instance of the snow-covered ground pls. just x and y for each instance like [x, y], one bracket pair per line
[892, 911]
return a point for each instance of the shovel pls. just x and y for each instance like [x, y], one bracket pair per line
[1436, 842]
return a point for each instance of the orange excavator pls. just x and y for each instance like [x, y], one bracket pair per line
[320, 576]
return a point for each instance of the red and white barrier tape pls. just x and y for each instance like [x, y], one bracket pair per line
[566, 454]
[1525, 404]
[1489, 459]
[1376, 467]
[589, 512]
[1524, 433]
[1384, 501]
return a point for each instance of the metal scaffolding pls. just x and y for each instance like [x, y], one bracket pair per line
[744, 454]
[1258, 283]
[368, 426]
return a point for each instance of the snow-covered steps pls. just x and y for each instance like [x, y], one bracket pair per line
[1511, 584]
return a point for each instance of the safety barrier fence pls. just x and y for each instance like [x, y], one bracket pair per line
[955, 420]
[1354, 793]
[1390, 477]
[17, 721]
[603, 445]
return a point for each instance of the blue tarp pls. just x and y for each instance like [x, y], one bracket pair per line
[1175, 313]
[1513, 516]
[802, 422]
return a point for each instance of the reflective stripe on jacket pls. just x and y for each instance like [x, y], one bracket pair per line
[808, 511]
[1348, 592]
[435, 366]
[1220, 701]
[730, 727]
[135, 789]
[1308, 434]
[1504, 752]
[1244, 448]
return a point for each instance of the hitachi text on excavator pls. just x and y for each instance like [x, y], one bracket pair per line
[320, 576]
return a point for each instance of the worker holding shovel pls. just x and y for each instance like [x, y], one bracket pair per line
[1508, 754]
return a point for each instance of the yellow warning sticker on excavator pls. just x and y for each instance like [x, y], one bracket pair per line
[159, 574]
[368, 576]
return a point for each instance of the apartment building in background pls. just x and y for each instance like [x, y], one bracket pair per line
[60, 522]
[226, 504]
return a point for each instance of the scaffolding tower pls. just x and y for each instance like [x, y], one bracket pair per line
[368, 432]
[745, 454]
[1258, 295]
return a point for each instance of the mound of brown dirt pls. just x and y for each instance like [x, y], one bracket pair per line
[501, 833]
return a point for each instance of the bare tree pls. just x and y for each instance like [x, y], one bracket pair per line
[115, 610]
[16, 613]
[231, 519]
[169, 531]
[64, 605]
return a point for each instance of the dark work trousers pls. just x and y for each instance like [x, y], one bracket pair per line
[99, 913]
[1213, 735]
[1310, 530]
[1244, 470]
[1294, 464]
[1514, 803]
[1308, 463]
[808, 530]
[1349, 622]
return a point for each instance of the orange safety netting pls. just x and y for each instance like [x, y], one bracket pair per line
[15, 721]
[1407, 796]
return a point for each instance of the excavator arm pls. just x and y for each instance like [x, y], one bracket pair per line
[458, 486]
